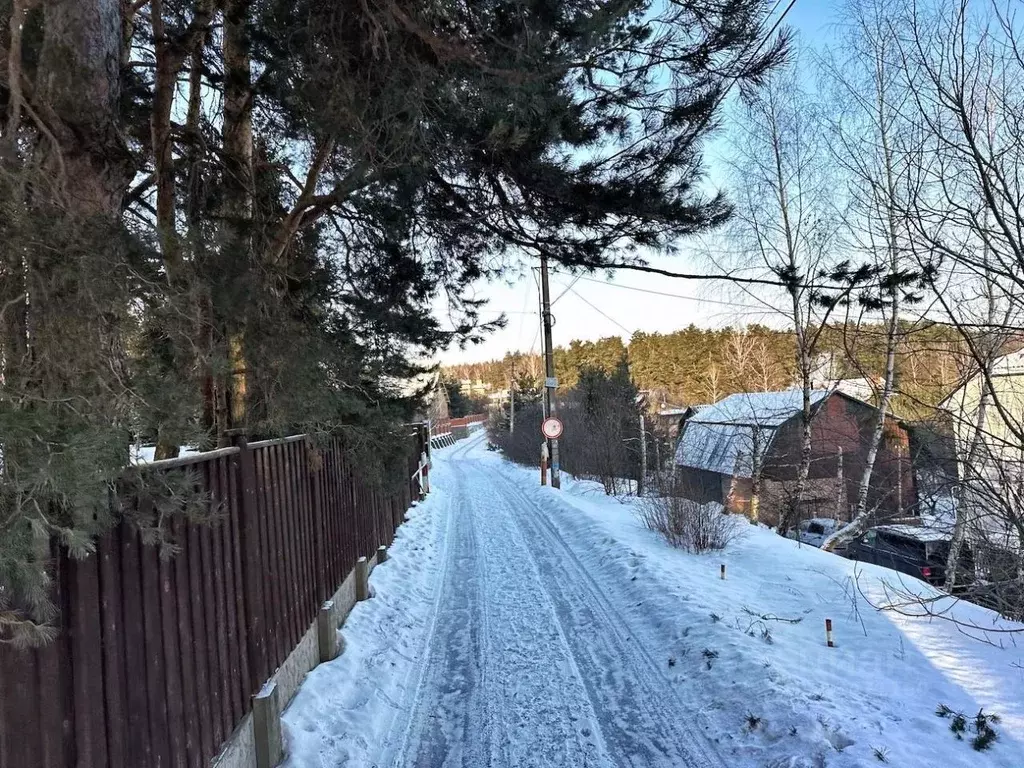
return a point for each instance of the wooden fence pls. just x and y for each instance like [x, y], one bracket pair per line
[447, 431]
[158, 658]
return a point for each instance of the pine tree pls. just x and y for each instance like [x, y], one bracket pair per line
[228, 215]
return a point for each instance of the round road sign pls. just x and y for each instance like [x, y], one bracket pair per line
[551, 428]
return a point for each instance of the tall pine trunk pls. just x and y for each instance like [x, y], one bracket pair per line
[64, 180]
[229, 407]
[77, 302]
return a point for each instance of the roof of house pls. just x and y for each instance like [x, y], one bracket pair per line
[672, 411]
[680, 410]
[720, 437]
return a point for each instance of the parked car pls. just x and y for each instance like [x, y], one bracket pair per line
[814, 531]
[915, 550]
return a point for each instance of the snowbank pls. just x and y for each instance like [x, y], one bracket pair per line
[346, 709]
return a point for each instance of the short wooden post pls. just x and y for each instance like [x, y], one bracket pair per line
[382, 554]
[828, 633]
[362, 579]
[544, 463]
[327, 632]
[722, 571]
[266, 726]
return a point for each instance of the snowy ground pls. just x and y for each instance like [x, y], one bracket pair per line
[521, 626]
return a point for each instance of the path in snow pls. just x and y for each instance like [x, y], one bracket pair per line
[529, 660]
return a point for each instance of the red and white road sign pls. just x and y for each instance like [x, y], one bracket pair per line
[551, 428]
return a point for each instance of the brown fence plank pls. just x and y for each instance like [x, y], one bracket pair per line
[86, 637]
[333, 514]
[200, 642]
[186, 644]
[290, 554]
[20, 740]
[315, 495]
[55, 714]
[243, 687]
[287, 528]
[280, 552]
[353, 533]
[139, 741]
[229, 539]
[277, 542]
[251, 570]
[220, 625]
[272, 580]
[172, 662]
[310, 590]
[156, 681]
[108, 552]
[297, 530]
[208, 559]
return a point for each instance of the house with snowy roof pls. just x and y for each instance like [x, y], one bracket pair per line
[724, 446]
[987, 415]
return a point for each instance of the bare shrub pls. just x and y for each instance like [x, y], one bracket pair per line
[689, 525]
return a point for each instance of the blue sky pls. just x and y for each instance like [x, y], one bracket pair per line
[596, 307]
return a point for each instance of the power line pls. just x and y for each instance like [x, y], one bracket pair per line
[671, 295]
[567, 289]
[600, 312]
[536, 335]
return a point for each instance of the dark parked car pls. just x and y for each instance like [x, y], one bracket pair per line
[916, 550]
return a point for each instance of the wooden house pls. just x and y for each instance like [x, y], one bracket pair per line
[724, 446]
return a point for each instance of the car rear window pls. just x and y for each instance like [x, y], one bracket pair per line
[907, 547]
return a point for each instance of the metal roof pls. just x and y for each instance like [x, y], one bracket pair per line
[721, 437]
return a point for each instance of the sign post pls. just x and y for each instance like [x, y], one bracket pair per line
[552, 430]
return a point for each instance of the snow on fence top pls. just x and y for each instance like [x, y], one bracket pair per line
[720, 437]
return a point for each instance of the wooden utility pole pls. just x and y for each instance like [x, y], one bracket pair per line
[550, 383]
[512, 400]
[641, 486]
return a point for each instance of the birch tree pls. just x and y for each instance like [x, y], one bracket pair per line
[783, 225]
[964, 65]
[873, 147]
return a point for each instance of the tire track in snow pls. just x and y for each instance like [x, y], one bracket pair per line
[528, 661]
[397, 740]
[501, 686]
[641, 714]
[439, 733]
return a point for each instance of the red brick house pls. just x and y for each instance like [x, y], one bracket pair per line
[723, 445]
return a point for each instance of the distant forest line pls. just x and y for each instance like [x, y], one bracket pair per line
[701, 365]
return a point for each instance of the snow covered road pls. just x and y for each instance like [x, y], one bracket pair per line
[530, 661]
